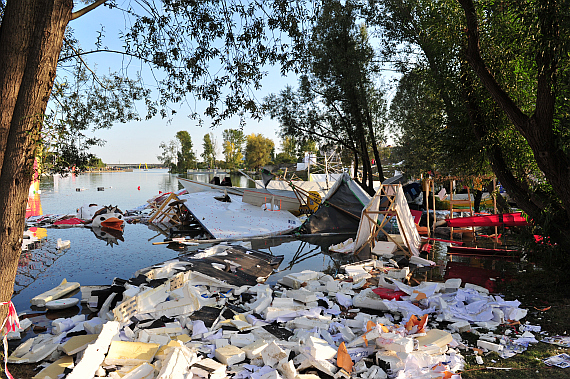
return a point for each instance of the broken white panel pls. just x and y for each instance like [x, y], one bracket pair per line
[149, 299]
[237, 219]
[296, 279]
[36, 354]
[241, 340]
[208, 368]
[254, 349]
[287, 369]
[320, 349]
[302, 295]
[370, 300]
[143, 371]
[357, 273]
[95, 353]
[176, 364]
[489, 346]
[188, 304]
[307, 361]
[272, 354]
[230, 355]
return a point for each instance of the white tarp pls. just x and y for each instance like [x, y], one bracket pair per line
[237, 219]
[366, 225]
[406, 222]
[405, 219]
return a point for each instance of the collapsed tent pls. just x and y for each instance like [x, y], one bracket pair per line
[340, 210]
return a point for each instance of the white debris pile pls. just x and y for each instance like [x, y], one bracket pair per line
[309, 325]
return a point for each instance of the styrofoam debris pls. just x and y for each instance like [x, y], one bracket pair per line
[321, 311]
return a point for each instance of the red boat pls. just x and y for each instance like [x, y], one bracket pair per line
[506, 219]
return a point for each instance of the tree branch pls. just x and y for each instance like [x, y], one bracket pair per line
[473, 55]
[77, 54]
[88, 8]
[84, 63]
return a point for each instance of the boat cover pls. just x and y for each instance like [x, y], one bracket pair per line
[345, 197]
[506, 219]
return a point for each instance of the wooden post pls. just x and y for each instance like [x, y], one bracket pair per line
[495, 208]
[433, 198]
[451, 206]
[426, 190]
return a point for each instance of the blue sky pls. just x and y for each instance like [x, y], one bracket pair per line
[138, 142]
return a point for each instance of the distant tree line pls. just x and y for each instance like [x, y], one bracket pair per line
[239, 151]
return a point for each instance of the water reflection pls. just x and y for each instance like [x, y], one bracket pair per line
[485, 271]
[110, 236]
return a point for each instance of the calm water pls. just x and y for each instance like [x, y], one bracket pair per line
[95, 260]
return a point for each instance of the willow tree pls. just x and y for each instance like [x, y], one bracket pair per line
[181, 39]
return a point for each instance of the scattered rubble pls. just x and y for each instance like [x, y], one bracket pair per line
[211, 315]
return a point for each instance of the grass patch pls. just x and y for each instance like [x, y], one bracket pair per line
[546, 298]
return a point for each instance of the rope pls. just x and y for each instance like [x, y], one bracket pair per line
[10, 324]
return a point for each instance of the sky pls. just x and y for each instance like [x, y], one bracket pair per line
[138, 142]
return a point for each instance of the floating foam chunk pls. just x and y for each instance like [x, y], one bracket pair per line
[475, 287]
[399, 274]
[308, 323]
[357, 273]
[460, 326]
[93, 326]
[55, 293]
[130, 353]
[307, 361]
[36, 354]
[230, 355]
[421, 261]
[452, 284]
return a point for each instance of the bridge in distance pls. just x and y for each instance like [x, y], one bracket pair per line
[135, 165]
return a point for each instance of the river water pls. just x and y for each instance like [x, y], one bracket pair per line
[96, 260]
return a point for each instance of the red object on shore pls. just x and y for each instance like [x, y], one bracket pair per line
[388, 294]
[506, 219]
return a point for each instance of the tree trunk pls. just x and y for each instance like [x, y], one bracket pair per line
[538, 129]
[31, 37]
